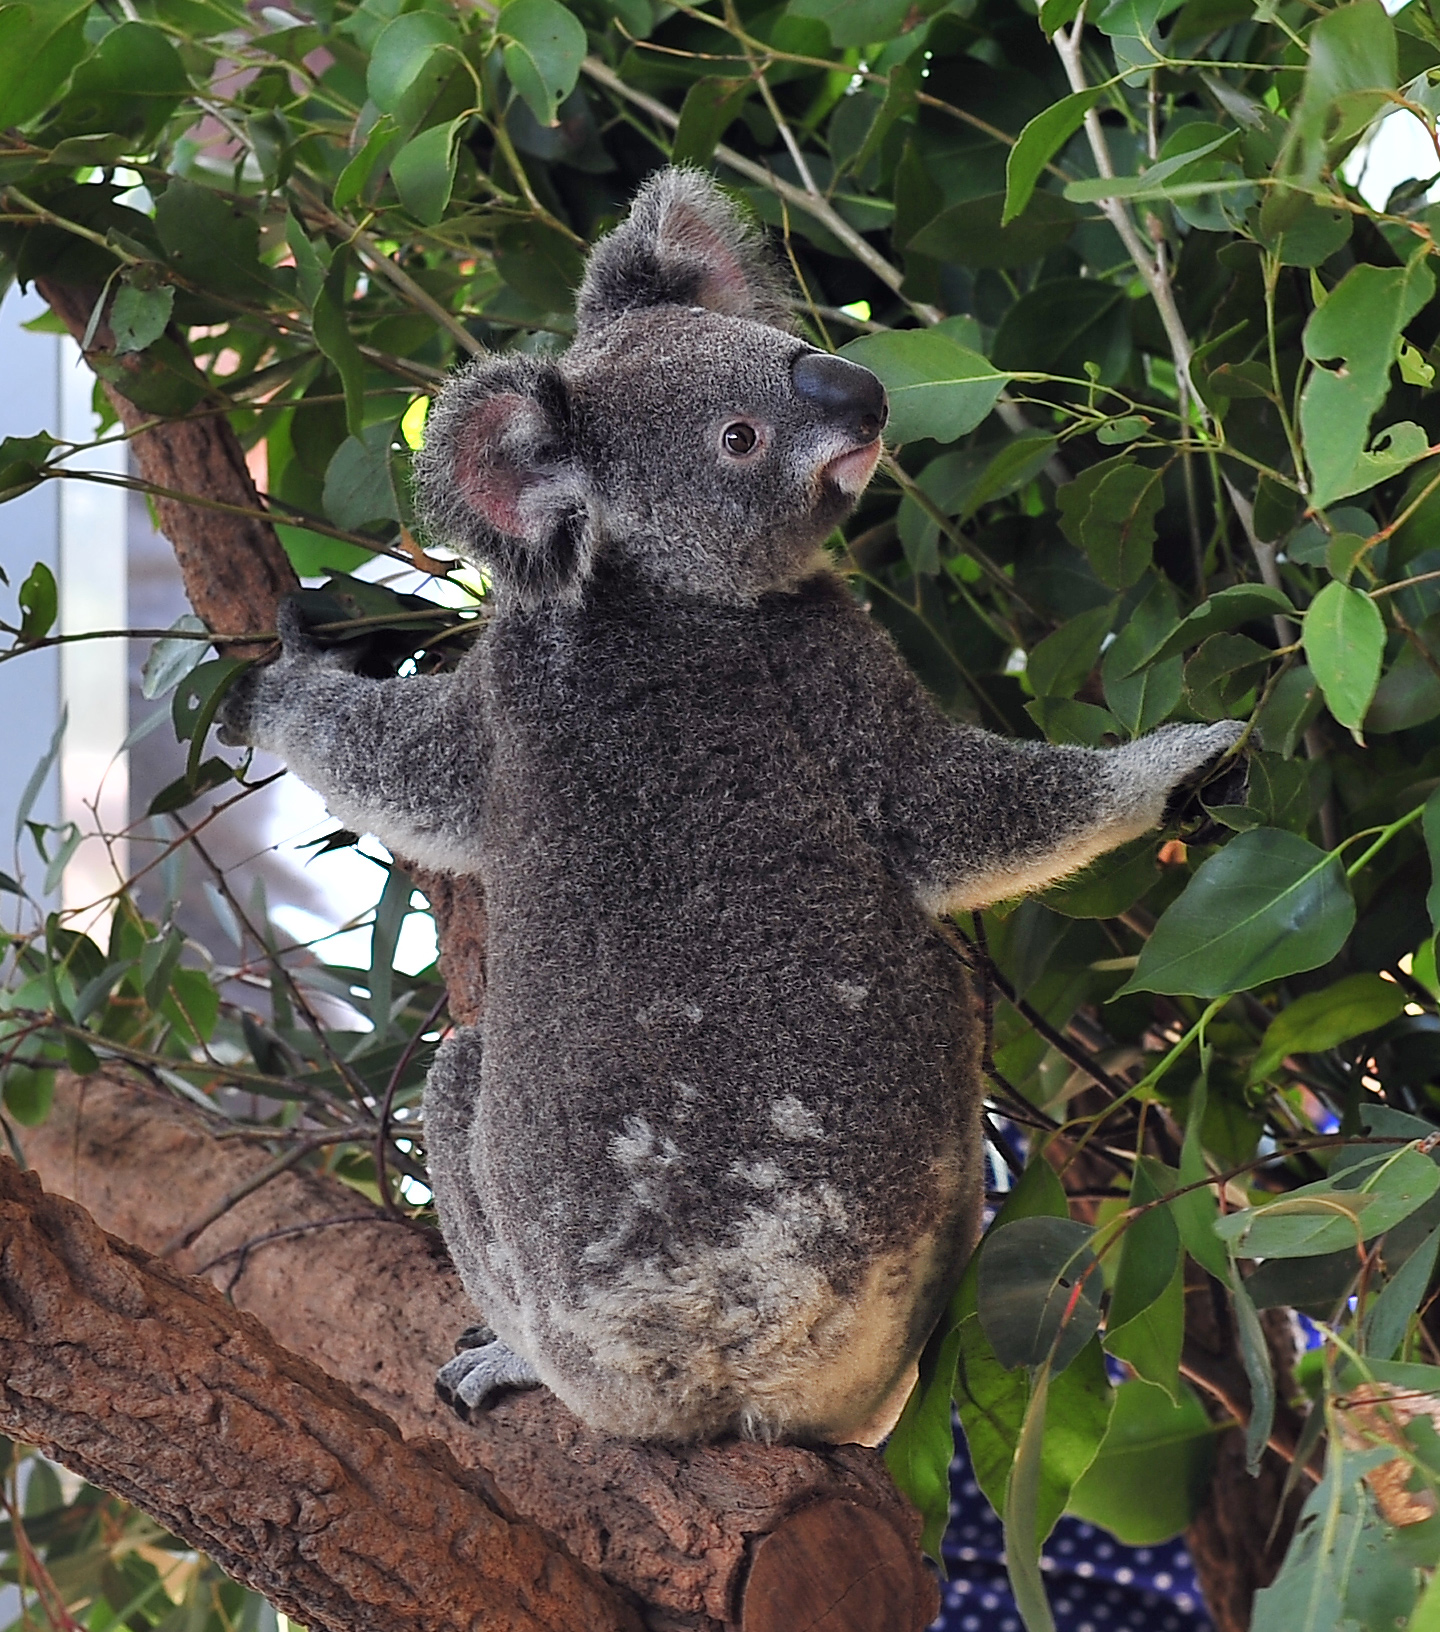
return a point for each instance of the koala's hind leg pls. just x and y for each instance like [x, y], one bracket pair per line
[467, 1383]
[482, 1365]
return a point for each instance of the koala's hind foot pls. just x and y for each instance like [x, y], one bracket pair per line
[469, 1382]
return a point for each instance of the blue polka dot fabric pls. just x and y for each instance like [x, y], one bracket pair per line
[1095, 1583]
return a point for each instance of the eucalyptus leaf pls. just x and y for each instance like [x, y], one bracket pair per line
[1269, 904]
[937, 388]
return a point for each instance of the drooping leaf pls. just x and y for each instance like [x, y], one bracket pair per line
[1146, 1322]
[545, 45]
[711, 105]
[1038, 143]
[39, 598]
[1399, 1299]
[1344, 638]
[424, 171]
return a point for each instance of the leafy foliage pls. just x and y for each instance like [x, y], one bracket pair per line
[1167, 446]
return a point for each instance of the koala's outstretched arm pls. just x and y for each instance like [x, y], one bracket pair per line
[977, 818]
[402, 759]
[965, 817]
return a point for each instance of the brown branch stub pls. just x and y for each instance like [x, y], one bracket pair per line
[234, 567]
[150, 1384]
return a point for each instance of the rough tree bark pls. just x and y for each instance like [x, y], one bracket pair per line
[376, 1303]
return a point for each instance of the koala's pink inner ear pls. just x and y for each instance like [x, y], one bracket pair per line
[491, 467]
[687, 237]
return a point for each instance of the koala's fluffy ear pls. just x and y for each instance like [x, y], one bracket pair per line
[499, 479]
[683, 244]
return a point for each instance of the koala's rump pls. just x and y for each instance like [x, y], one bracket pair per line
[726, 1132]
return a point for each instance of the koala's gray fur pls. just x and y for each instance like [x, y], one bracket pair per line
[712, 1162]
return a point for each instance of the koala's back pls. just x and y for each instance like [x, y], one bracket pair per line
[727, 1117]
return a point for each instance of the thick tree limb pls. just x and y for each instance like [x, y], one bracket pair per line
[234, 567]
[150, 1384]
[378, 1305]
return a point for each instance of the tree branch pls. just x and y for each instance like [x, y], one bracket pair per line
[377, 1305]
[150, 1384]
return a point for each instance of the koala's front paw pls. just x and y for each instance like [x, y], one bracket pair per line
[469, 1382]
[1226, 784]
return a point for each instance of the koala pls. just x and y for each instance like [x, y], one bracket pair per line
[711, 1163]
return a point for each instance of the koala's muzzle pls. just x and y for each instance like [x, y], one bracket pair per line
[843, 391]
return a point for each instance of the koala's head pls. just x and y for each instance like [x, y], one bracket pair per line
[686, 430]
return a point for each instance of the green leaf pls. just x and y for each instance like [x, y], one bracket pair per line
[130, 84]
[1039, 1291]
[1255, 1356]
[1299, 230]
[1227, 609]
[1324, 1217]
[211, 241]
[22, 462]
[1353, 62]
[1061, 663]
[36, 780]
[1289, 710]
[1389, 1316]
[39, 599]
[424, 171]
[401, 52]
[546, 45]
[1219, 677]
[210, 774]
[372, 159]
[1038, 143]
[1109, 512]
[922, 1446]
[1344, 638]
[1146, 1322]
[1022, 1505]
[334, 339]
[711, 106]
[39, 46]
[1342, 1563]
[856, 22]
[139, 316]
[359, 487]
[1324, 1019]
[1063, 324]
[1120, 1491]
[1268, 905]
[29, 1091]
[937, 388]
[1352, 341]
[1196, 1210]
[1141, 697]
[971, 233]
[1152, 184]
[170, 660]
[196, 701]
[1430, 821]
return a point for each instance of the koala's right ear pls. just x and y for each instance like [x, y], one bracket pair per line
[683, 244]
[499, 478]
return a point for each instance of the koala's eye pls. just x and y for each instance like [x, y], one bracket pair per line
[738, 439]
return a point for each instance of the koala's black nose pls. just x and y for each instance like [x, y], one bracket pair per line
[841, 390]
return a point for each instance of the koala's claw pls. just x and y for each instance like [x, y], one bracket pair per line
[479, 1336]
[468, 1383]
